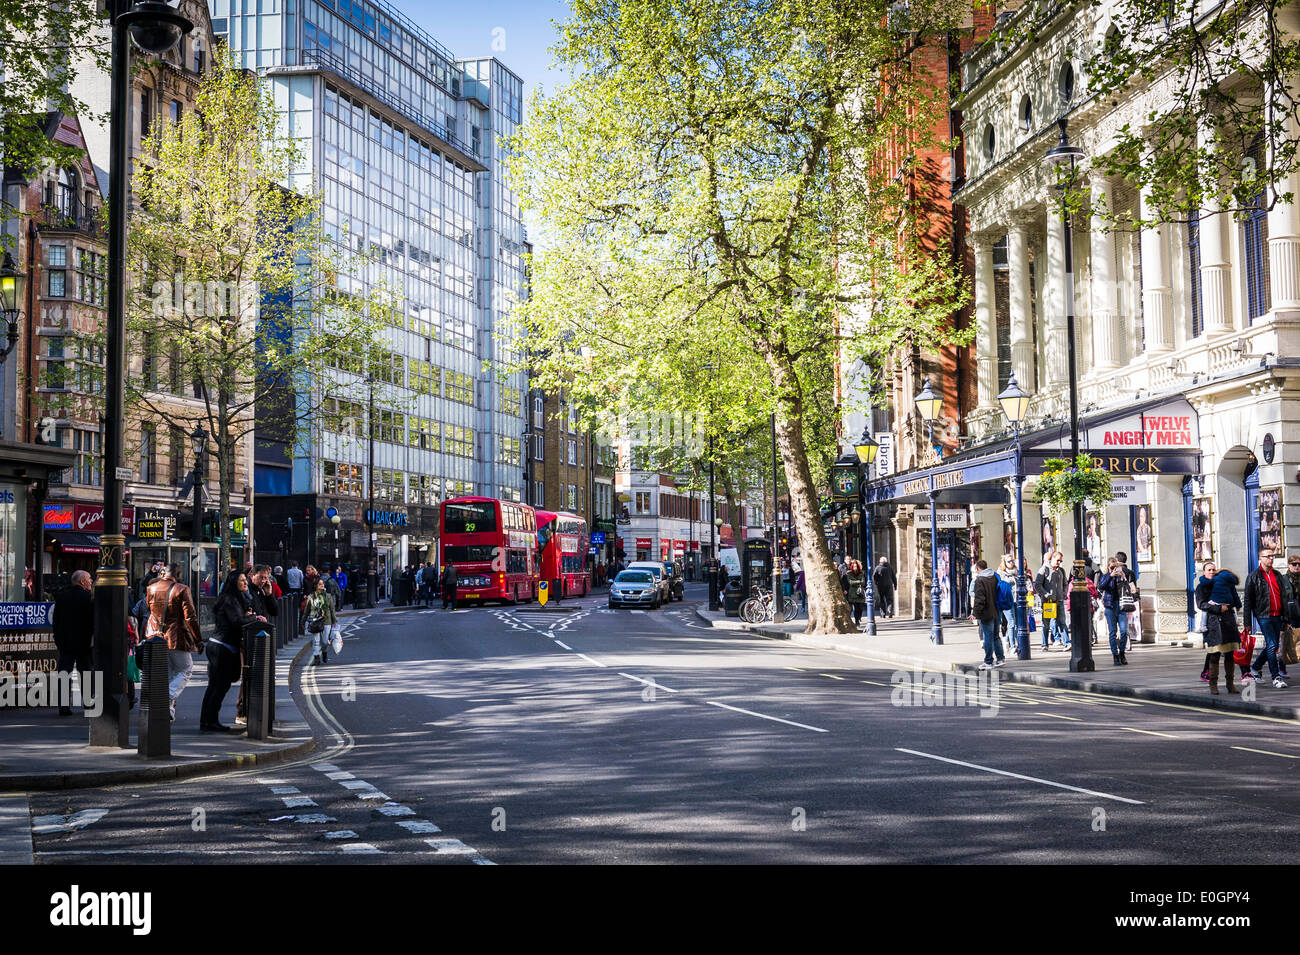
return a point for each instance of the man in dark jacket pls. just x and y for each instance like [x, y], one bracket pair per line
[74, 629]
[886, 582]
[1263, 603]
[984, 607]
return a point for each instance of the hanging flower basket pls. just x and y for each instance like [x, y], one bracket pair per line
[1063, 485]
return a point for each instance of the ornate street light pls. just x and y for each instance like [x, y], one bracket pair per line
[867, 448]
[1064, 159]
[154, 27]
[13, 284]
[929, 406]
[1015, 405]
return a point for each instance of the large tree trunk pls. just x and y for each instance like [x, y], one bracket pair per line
[828, 611]
[225, 466]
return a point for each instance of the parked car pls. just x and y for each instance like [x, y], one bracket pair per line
[661, 578]
[676, 579]
[634, 588]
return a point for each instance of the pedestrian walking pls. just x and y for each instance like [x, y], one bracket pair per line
[323, 624]
[1050, 586]
[854, 583]
[332, 586]
[450, 580]
[1216, 596]
[293, 576]
[1262, 606]
[1006, 600]
[234, 615]
[173, 617]
[886, 583]
[1291, 613]
[984, 609]
[341, 579]
[1118, 591]
[74, 635]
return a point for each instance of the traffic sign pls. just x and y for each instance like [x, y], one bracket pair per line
[543, 592]
[331, 511]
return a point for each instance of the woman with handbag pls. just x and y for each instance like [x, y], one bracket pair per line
[322, 623]
[1119, 600]
[1221, 637]
[234, 612]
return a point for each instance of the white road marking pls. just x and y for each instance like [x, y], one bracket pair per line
[450, 847]
[341, 834]
[657, 686]
[395, 809]
[324, 767]
[355, 784]
[307, 817]
[373, 794]
[764, 716]
[71, 822]
[298, 802]
[1266, 752]
[1032, 779]
[563, 644]
[590, 660]
[284, 790]
[418, 826]
[361, 848]
[340, 775]
[1133, 729]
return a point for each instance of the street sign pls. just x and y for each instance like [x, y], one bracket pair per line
[543, 592]
[125, 474]
[330, 512]
[884, 454]
[1128, 492]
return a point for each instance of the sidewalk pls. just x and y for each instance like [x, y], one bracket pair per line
[1167, 674]
[41, 750]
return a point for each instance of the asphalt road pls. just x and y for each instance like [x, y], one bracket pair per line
[505, 735]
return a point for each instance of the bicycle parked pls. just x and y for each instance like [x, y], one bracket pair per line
[761, 607]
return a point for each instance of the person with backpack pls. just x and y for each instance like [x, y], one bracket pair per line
[886, 582]
[332, 587]
[1118, 591]
[984, 608]
[1006, 600]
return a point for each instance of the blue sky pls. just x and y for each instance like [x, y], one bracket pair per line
[471, 29]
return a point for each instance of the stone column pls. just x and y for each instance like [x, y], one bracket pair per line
[1157, 295]
[986, 334]
[1216, 267]
[1021, 306]
[1057, 344]
[1284, 227]
[1105, 303]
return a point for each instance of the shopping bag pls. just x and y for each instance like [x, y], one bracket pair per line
[1242, 656]
[1289, 645]
[132, 669]
[336, 643]
[1049, 610]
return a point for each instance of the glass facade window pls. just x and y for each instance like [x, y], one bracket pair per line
[390, 486]
[344, 480]
[459, 441]
[90, 453]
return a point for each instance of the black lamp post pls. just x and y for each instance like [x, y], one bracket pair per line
[928, 406]
[154, 27]
[867, 449]
[1015, 405]
[13, 285]
[200, 439]
[1065, 158]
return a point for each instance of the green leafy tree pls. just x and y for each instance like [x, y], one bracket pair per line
[719, 230]
[242, 300]
[42, 45]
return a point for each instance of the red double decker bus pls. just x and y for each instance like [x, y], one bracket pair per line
[493, 546]
[562, 553]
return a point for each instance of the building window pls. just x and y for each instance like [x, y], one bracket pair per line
[198, 56]
[424, 489]
[541, 448]
[573, 497]
[92, 277]
[1026, 114]
[573, 454]
[56, 375]
[176, 455]
[425, 433]
[511, 451]
[459, 441]
[1255, 254]
[426, 377]
[90, 367]
[58, 283]
[643, 502]
[146, 118]
[460, 388]
[345, 480]
[1065, 84]
[176, 112]
[90, 452]
[539, 493]
[389, 426]
[510, 402]
[148, 453]
[990, 141]
[1194, 278]
[342, 416]
[390, 486]
[539, 414]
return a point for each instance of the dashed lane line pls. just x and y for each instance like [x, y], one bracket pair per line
[764, 716]
[1061, 716]
[1031, 779]
[1266, 752]
[651, 683]
[1134, 729]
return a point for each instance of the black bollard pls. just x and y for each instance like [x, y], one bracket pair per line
[154, 734]
[261, 684]
[1080, 623]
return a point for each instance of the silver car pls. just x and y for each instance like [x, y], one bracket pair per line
[661, 579]
[634, 588]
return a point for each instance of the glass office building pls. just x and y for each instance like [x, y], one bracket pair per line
[405, 144]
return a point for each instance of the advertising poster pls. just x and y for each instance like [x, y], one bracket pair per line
[1144, 534]
[1092, 536]
[1202, 530]
[1270, 520]
[1049, 536]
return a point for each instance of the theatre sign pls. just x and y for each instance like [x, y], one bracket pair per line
[1164, 438]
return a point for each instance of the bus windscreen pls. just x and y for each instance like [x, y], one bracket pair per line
[475, 518]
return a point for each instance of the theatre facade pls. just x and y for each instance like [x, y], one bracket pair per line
[1186, 346]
